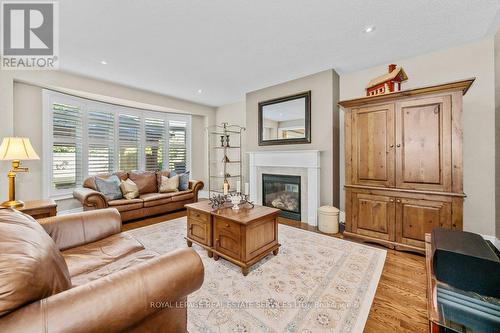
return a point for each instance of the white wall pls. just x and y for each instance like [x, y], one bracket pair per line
[497, 133]
[324, 99]
[470, 60]
[21, 111]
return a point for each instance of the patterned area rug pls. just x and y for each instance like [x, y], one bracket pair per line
[315, 284]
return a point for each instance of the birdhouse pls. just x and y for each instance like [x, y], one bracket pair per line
[387, 83]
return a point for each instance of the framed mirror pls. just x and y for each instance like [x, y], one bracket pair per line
[285, 120]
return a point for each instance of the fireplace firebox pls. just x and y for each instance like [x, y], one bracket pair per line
[282, 192]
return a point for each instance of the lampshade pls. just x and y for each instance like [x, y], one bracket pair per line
[17, 149]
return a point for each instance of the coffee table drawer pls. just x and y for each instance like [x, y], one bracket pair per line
[227, 226]
[197, 215]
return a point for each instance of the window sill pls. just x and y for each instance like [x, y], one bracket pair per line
[65, 196]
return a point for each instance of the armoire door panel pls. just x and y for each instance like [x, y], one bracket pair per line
[423, 144]
[416, 217]
[373, 216]
[373, 145]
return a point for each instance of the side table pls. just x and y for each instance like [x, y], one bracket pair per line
[39, 209]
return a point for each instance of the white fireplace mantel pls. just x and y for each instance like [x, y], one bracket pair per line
[307, 160]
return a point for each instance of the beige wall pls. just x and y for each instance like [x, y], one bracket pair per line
[324, 98]
[21, 110]
[233, 114]
[470, 60]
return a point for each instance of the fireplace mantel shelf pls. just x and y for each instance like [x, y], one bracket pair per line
[284, 161]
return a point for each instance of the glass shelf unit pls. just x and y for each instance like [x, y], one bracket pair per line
[225, 156]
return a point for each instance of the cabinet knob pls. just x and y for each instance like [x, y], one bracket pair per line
[391, 200]
[398, 200]
[227, 225]
[391, 146]
[398, 145]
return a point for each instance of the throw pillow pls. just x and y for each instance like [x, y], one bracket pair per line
[109, 187]
[169, 184]
[129, 189]
[146, 181]
[184, 181]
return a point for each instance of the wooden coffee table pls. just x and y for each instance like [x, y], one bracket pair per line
[39, 209]
[242, 236]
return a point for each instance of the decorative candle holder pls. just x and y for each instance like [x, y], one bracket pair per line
[235, 200]
[218, 200]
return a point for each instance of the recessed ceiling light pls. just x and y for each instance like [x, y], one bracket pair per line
[104, 62]
[369, 29]
[200, 91]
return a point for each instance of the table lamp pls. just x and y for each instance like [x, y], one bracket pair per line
[15, 150]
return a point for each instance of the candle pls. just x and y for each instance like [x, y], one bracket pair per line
[247, 191]
[238, 186]
[226, 188]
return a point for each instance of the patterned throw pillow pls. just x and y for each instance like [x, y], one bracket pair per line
[109, 187]
[184, 181]
[169, 184]
[129, 189]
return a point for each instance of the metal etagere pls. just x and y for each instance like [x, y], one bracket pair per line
[225, 156]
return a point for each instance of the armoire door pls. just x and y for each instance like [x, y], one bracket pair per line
[416, 217]
[373, 145]
[373, 215]
[423, 144]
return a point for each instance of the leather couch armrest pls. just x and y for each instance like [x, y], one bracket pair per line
[77, 229]
[90, 198]
[117, 302]
[196, 186]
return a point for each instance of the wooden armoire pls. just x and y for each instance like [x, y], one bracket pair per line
[403, 164]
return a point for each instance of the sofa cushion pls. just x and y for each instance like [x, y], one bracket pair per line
[146, 181]
[109, 187]
[89, 257]
[155, 199]
[129, 189]
[89, 182]
[122, 263]
[183, 195]
[31, 266]
[164, 173]
[124, 205]
[184, 181]
[169, 184]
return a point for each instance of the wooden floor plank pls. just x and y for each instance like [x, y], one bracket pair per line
[400, 301]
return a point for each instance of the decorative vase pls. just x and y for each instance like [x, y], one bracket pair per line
[235, 200]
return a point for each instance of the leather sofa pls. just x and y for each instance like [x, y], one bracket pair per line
[79, 273]
[149, 203]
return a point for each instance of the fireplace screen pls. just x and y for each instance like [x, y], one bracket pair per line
[282, 192]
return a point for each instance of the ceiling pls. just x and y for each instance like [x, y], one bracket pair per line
[229, 47]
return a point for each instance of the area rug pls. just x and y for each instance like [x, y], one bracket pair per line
[315, 284]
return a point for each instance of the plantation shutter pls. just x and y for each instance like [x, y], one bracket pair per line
[177, 152]
[155, 141]
[101, 135]
[129, 141]
[66, 146]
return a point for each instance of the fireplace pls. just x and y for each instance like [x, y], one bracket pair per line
[282, 192]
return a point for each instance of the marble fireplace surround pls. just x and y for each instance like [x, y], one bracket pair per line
[303, 163]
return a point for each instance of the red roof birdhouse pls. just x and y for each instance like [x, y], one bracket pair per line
[387, 83]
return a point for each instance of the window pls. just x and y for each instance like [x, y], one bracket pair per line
[66, 146]
[155, 141]
[129, 128]
[101, 136]
[85, 138]
[177, 151]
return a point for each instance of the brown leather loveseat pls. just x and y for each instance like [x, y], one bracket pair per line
[87, 276]
[149, 203]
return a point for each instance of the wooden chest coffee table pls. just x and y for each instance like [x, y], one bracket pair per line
[242, 236]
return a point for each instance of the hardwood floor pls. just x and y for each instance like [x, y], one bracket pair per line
[400, 302]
